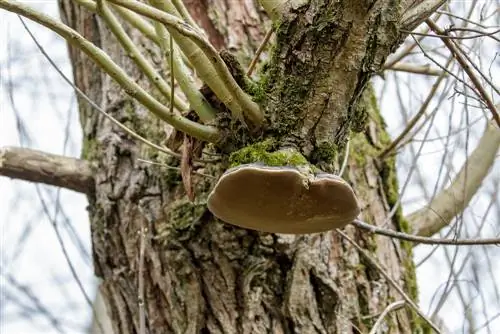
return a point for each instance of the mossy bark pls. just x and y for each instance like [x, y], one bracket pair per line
[204, 276]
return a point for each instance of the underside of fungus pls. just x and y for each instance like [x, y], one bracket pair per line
[283, 199]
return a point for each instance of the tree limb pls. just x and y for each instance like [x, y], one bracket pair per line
[459, 56]
[200, 131]
[237, 100]
[453, 200]
[417, 12]
[56, 170]
[423, 240]
[413, 68]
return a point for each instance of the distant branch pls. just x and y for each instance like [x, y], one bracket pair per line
[423, 240]
[413, 121]
[418, 11]
[391, 307]
[453, 200]
[200, 131]
[36, 166]
[459, 55]
[412, 68]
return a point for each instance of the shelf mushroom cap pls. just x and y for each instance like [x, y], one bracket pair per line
[282, 200]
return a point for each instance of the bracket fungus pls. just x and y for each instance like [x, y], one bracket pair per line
[283, 199]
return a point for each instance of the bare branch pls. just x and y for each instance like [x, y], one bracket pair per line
[203, 132]
[56, 170]
[455, 50]
[259, 51]
[417, 116]
[391, 307]
[413, 68]
[454, 199]
[404, 52]
[424, 240]
[237, 100]
[418, 11]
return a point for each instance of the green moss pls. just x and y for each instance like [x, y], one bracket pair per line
[361, 148]
[391, 189]
[264, 152]
[180, 217]
[257, 89]
[361, 110]
[172, 178]
[325, 152]
[89, 149]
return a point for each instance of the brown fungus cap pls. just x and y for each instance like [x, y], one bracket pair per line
[282, 200]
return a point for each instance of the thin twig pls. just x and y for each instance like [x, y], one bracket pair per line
[473, 64]
[184, 13]
[239, 100]
[93, 104]
[443, 35]
[417, 116]
[135, 20]
[404, 52]
[461, 18]
[132, 18]
[424, 240]
[140, 292]
[185, 80]
[259, 51]
[137, 57]
[416, 69]
[391, 307]
[346, 157]
[200, 131]
[463, 62]
[173, 167]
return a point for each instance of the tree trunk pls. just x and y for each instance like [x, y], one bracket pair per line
[202, 275]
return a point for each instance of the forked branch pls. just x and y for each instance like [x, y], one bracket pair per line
[36, 166]
[181, 123]
[239, 102]
[453, 200]
[458, 54]
[135, 54]
[417, 12]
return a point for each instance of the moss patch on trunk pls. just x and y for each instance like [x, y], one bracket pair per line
[267, 153]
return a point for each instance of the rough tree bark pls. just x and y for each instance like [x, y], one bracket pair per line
[204, 276]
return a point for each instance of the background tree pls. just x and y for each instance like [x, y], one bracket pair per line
[166, 263]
